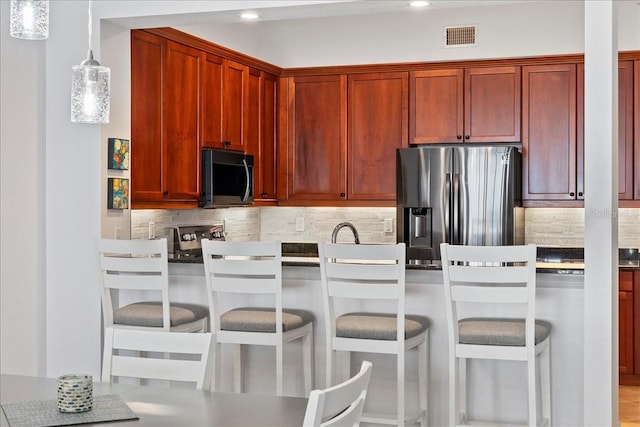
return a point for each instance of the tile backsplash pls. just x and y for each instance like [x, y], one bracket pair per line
[565, 227]
[287, 224]
[544, 226]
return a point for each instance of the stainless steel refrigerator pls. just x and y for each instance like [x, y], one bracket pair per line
[465, 194]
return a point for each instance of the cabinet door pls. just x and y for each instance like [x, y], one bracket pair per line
[625, 323]
[436, 106]
[492, 104]
[625, 130]
[181, 111]
[377, 126]
[267, 173]
[212, 117]
[317, 138]
[235, 97]
[549, 132]
[636, 126]
[147, 53]
[252, 135]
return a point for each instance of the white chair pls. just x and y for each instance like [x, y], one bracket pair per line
[132, 365]
[253, 268]
[504, 275]
[372, 273]
[142, 265]
[340, 405]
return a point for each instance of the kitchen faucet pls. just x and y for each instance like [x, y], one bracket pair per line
[350, 226]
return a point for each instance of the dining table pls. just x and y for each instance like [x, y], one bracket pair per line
[157, 405]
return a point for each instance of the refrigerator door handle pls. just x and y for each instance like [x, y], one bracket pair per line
[446, 202]
[455, 195]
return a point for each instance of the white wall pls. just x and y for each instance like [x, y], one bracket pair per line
[60, 195]
[73, 194]
[22, 65]
[115, 46]
[511, 30]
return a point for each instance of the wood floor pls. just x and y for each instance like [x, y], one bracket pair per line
[629, 406]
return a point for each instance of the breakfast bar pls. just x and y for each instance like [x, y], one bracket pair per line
[497, 388]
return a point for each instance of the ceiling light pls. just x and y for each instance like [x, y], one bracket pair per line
[419, 3]
[29, 19]
[90, 89]
[249, 15]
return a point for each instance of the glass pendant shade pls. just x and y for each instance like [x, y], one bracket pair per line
[90, 86]
[29, 19]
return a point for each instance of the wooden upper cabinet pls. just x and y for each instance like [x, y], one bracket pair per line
[226, 94]
[166, 103]
[317, 138]
[436, 106]
[625, 130]
[181, 104]
[234, 99]
[549, 142]
[212, 117]
[252, 113]
[377, 126]
[471, 105]
[260, 132]
[492, 104]
[636, 115]
[266, 186]
[147, 53]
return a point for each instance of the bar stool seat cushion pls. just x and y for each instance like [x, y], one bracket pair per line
[492, 331]
[263, 319]
[149, 314]
[378, 326]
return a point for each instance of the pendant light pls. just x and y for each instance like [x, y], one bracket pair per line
[90, 89]
[29, 19]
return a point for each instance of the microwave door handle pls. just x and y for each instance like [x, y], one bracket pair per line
[248, 187]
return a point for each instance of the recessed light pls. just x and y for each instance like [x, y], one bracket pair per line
[249, 15]
[418, 3]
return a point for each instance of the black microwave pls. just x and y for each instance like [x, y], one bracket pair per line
[227, 178]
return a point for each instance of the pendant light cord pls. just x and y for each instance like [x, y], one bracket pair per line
[90, 24]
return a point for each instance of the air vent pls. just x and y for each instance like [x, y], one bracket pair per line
[461, 36]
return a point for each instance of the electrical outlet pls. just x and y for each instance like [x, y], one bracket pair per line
[117, 233]
[152, 230]
[299, 224]
[388, 225]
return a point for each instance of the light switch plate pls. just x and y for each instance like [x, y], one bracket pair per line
[388, 225]
[299, 224]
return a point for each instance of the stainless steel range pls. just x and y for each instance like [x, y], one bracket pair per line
[185, 241]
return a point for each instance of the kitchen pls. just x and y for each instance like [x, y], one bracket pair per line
[68, 219]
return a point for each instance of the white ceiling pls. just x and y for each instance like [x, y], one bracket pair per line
[312, 9]
[348, 7]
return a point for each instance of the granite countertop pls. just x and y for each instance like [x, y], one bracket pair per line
[550, 259]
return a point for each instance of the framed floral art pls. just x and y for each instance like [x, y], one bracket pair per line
[118, 193]
[118, 156]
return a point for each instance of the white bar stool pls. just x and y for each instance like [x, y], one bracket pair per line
[373, 272]
[253, 268]
[494, 275]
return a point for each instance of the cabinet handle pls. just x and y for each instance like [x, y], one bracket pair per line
[342, 194]
[459, 136]
[467, 137]
[580, 194]
[263, 195]
[165, 193]
[572, 194]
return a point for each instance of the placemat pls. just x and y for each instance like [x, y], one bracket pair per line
[44, 413]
